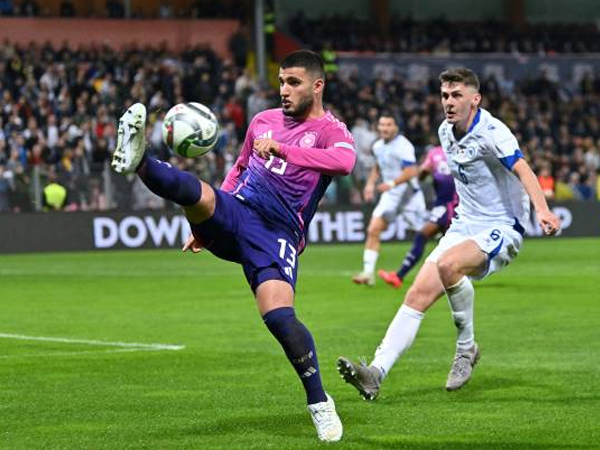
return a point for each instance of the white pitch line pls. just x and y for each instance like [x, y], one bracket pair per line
[133, 345]
[82, 352]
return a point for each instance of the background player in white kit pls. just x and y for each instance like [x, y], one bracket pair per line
[495, 186]
[395, 155]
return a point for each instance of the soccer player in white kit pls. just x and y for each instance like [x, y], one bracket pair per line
[394, 155]
[495, 186]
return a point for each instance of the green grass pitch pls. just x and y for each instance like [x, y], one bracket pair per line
[536, 387]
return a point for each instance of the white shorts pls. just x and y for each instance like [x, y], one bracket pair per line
[501, 243]
[412, 208]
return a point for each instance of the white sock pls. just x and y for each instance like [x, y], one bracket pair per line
[369, 260]
[460, 298]
[398, 338]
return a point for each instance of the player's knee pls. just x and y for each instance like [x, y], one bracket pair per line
[375, 228]
[418, 298]
[204, 208]
[449, 270]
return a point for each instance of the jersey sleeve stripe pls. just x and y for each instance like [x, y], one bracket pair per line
[509, 161]
[343, 144]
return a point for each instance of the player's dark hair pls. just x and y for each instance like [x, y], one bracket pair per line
[390, 115]
[460, 75]
[306, 59]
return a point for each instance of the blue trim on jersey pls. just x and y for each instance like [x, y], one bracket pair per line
[494, 252]
[509, 161]
[475, 121]
[491, 256]
[518, 227]
[406, 163]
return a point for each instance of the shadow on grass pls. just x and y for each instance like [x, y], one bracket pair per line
[484, 389]
[405, 443]
[288, 425]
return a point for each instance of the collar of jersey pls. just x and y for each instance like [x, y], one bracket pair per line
[475, 122]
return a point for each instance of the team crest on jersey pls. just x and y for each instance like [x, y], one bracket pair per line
[462, 153]
[308, 140]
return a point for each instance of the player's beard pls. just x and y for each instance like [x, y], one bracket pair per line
[302, 109]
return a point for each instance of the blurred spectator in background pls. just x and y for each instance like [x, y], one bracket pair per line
[7, 8]
[546, 181]
[55, 194]
[443, 37]
[115, 9]
[29, 8]
[238, 46]
[67, 9]
[6, 189]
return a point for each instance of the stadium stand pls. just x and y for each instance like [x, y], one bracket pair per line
[60, 106]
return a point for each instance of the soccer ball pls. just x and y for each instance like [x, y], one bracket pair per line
[190, 129]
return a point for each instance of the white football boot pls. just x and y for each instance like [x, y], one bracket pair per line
[131, 140]
[368, 279]
[328, 423]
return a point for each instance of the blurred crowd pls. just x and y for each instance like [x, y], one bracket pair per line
[440, 36]
[59, 108]
[115, 9]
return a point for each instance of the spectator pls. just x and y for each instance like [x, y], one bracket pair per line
[55, 195]
[6, 189]
[67, 9]
[115, 9]
[30, 8]
[546, 181]
[7, 8]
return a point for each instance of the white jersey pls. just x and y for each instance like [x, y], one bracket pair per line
[481, 163]
[392, 157]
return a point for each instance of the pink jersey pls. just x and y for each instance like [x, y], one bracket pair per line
[287, 189]
[443, 182]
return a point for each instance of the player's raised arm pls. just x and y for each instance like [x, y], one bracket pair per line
[338, 159]
[549, 222]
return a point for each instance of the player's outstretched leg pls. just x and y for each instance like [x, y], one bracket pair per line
[160, 177]
[462, 367]
[131, 140]
[366, 379]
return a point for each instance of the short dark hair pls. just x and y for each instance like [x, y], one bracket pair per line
[460, 75]
[389, 115]
[307, 59]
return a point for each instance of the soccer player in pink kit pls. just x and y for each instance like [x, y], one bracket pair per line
[260, 216]
[446, 199]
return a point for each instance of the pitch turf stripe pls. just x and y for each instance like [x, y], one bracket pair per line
[132, 345]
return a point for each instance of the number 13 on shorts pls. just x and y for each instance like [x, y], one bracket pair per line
[287, 252]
